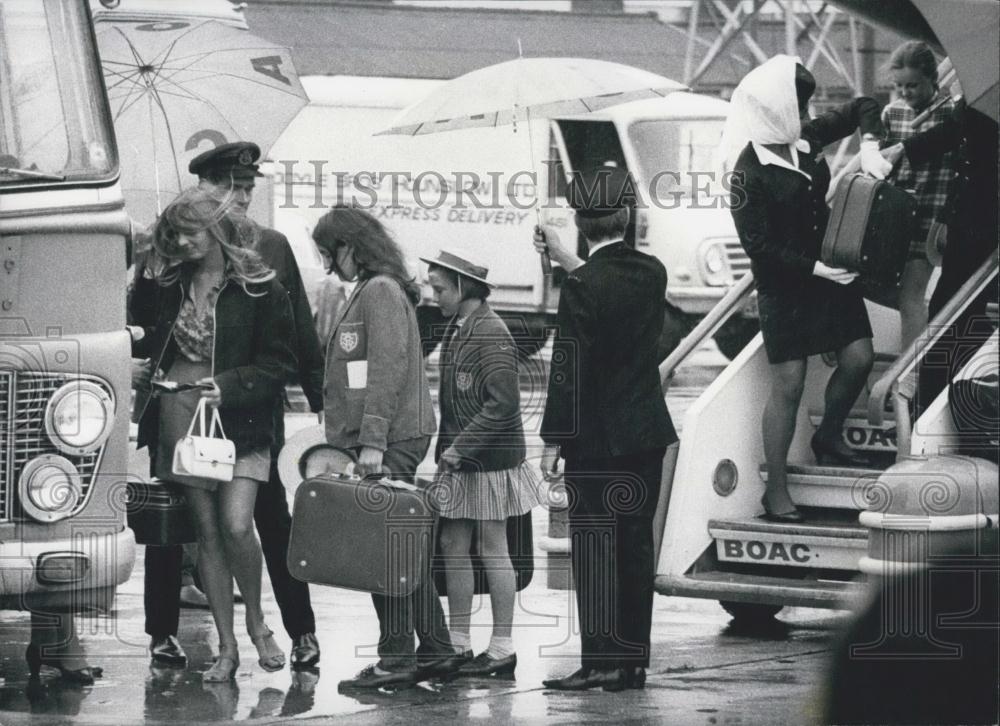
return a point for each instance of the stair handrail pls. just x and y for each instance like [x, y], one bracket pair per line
[731, 303]
[911, 357]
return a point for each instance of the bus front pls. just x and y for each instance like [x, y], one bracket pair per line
[64, 349]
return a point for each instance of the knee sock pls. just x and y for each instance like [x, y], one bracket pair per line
[461, 642]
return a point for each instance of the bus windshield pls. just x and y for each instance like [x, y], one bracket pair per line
[677, 157]
[54, 124]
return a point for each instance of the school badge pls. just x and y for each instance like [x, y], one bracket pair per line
[348, 341]
[245, 158]
[463, 380]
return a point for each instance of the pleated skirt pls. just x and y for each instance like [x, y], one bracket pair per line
[480, 495]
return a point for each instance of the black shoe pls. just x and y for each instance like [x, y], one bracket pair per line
[167, 650]
[305, 651]
[635, 678]
[368, 678]
[836, 453]
[445, 665]
[79, 676]
[792, 517]
[586, 678]
[614, 680]
[486, 665]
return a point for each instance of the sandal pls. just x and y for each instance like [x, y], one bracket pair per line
[270, 657]
[223, 670]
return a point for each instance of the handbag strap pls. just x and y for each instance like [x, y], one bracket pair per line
[199, 418]
[216, 424]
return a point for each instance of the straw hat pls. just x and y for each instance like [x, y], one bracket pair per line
[307, 454]
[461, 265]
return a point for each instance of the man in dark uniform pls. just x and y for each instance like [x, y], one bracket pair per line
[229, 172]
[606, 416]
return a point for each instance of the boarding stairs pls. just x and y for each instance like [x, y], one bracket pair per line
[715, 544]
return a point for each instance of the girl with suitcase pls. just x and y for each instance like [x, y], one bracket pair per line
[806, 307]
[377, 404]
[219, 324]
[483, 478]
[915, 81]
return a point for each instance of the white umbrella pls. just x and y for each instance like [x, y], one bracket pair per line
[526, 89]
[529, 88]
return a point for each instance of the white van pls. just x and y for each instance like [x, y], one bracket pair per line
[475, 190]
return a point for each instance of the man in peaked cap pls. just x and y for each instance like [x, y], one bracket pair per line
[229, 172]
[605, 414]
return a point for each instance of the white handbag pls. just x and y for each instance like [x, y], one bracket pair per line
[206, 455]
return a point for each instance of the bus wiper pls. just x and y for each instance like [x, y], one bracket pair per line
[32, 174]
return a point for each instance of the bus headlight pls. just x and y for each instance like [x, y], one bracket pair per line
[713, 263]
[49, 488]
[79, 417]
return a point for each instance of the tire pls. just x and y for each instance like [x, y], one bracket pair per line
[676, 324]
[734, 335]
[749, 612]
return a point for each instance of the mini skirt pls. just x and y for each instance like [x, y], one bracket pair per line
[821, 317]
[176, 412]
[491, 495]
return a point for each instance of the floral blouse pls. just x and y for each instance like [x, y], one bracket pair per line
[194, 335]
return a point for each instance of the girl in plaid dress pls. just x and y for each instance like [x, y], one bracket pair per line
[914, 76]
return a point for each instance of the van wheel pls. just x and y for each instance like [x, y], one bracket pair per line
[734, 335]
[750, 613]
[676, 324]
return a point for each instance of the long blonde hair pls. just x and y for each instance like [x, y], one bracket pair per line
[196, 210]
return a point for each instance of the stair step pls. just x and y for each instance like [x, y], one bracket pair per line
[762, 589]
[861, 435]
[830, 486]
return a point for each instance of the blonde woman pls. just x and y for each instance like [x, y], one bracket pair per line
[216, 317]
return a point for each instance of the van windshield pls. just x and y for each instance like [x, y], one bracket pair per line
[53, 117]
[677, 158]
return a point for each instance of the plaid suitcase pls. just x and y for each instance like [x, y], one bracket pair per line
[869, 232]
[374, 536]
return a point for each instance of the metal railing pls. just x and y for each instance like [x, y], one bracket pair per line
[912, 356]
[730, 304]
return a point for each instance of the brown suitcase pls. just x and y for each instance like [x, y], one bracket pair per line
[374, 536]
[869, 232]
[157, 511]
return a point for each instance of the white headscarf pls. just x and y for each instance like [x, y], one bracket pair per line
[764, 109]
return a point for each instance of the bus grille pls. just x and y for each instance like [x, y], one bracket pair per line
[23, 398]
[739, 263]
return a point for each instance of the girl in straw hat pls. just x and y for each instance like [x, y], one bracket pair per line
[483, 478]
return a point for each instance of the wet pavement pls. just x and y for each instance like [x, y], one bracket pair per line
[703, 671]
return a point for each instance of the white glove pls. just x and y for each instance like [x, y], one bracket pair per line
[834, 274]
[872, 161]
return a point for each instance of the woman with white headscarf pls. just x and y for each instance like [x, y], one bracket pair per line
[806, 307]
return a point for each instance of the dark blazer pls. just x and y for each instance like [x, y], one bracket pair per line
[254, 354]
[480, 398]
[971, 211]
[780, 214]
[604, 395]
[276, 252]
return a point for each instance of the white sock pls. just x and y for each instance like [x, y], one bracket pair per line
[461, 642]
[500, 647]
